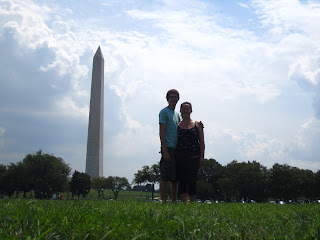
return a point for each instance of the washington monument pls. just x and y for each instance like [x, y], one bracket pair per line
[94, 162]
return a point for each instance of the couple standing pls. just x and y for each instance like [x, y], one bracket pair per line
[182, 149]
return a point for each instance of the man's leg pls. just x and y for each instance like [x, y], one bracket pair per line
[174, 191]
[163, 190]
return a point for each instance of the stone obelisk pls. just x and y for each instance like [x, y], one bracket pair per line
[94, 162]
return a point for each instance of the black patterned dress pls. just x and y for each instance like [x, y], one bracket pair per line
[188, 147]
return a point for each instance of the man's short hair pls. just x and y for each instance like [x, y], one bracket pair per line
[172, 91]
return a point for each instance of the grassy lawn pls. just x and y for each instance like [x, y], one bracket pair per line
[128, 219]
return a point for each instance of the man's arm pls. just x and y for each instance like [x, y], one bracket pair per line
[165, 154]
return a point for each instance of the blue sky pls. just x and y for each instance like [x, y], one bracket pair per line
[251, 69]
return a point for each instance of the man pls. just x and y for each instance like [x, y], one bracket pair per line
[168, 123]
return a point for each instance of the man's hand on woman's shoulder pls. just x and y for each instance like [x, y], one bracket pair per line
[200, 124]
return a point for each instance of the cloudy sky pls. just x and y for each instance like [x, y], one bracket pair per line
[250, 68]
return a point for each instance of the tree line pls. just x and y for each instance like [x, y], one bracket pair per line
[246, 181]
[43, 175]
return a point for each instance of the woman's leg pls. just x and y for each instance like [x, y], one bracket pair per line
[193, 191]
[193, 198]
[183, 192]
[184, 197]
[192, 188]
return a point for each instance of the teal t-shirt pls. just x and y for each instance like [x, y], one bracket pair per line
[170, 118]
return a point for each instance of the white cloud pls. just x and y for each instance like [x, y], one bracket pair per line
[60, 28]
[307, 69]
[211, 60]
[68, 107]
[247, 145]
[72, 153]
[132, 148]
[242, 5]
[7, 158]
[260, 146]
[232, 75]
[306, 72]
[2, 135]
[304, 151]
[26, 23]
[2, 131]
[229, 62]
[308, 136]
[285, 17]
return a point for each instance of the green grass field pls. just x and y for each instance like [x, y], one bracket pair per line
[128, 219]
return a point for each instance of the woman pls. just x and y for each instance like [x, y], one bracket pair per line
[189, 153]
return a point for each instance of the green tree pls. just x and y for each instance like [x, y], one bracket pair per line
[45, 173]
[3, 170]
[316, 190]
[255, 181]
[9, 181]
[290, 183]
[15, 178]
[205, 190]
[22, 179]
[148, 175]
[154, 174]
[280, 182]
[228, 183]
[143, 175]
[208, 179]
[245, 180]
[307, 183]
[99, 184]
[116, 184]
[80, 184]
